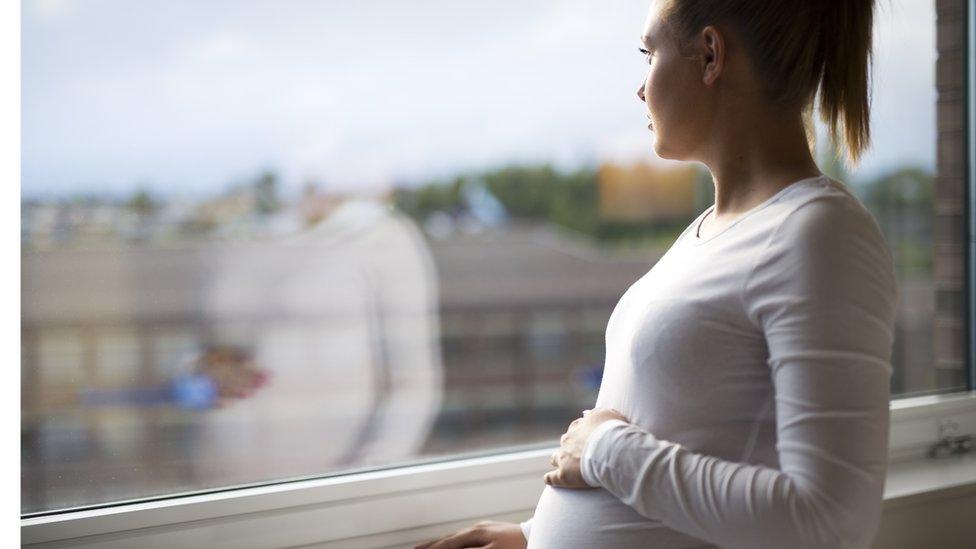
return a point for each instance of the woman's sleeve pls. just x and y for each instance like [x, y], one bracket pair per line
[823, 292]
[526, 527]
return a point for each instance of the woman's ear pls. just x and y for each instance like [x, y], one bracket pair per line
[712, 46]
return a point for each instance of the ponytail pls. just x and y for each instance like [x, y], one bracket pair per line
[846, 33]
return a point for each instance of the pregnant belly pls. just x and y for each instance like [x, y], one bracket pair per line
[595, 519]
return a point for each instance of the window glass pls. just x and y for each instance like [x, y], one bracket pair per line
[913, 181]
[266, 241]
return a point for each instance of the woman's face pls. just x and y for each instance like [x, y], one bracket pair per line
[677, 103]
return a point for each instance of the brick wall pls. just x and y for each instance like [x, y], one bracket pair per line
[950, 184]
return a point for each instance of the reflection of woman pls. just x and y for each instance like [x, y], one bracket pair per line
[745, 394]
[342, 317]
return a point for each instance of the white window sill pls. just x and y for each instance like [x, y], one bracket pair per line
[397, 506]
[911, 481]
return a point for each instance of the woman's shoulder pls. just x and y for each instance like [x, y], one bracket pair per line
[827, 211]
[826, 248]
[827, 237]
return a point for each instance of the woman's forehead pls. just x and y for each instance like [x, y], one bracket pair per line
[652, 24]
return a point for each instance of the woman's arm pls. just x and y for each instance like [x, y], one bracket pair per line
[823, 292]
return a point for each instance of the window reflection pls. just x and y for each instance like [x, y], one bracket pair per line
[230, 362]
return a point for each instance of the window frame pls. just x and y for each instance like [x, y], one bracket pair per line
[969, 200]
[422, 499]
[426, 498]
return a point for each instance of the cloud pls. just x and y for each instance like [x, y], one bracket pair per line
[584, 22]
[48, 10]
[222, 45]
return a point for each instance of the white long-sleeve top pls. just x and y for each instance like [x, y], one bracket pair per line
[753, 366]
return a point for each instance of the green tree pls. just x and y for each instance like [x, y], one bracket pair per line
[902, 201]
[540, 193]
[143, 203]
[526, 191]
[266, 193]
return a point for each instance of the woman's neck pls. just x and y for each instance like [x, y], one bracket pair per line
[752, 158]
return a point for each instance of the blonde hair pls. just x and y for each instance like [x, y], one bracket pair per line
[806, 50]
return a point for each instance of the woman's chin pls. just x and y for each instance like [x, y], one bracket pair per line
[659, 149]
[665, 153]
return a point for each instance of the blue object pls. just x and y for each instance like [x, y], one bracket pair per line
[194, 391]
[590, 376]
[188, 391]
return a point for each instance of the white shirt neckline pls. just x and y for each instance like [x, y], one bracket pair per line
[697, 240]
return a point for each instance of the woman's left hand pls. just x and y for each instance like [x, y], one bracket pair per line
[566, 459]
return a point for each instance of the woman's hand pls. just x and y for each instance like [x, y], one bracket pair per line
[567, 458]
[233, 371]
[491, 534]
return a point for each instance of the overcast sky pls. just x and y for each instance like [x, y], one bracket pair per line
[190, 96]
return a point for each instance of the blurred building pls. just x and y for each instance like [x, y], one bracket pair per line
[640, 192]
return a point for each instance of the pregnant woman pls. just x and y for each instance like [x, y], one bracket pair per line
[744, 402]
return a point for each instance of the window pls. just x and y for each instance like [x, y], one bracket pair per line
[263, 243]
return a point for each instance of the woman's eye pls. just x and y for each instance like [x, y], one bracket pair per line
[646, 54]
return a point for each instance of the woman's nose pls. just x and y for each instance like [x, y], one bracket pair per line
[640, 92]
